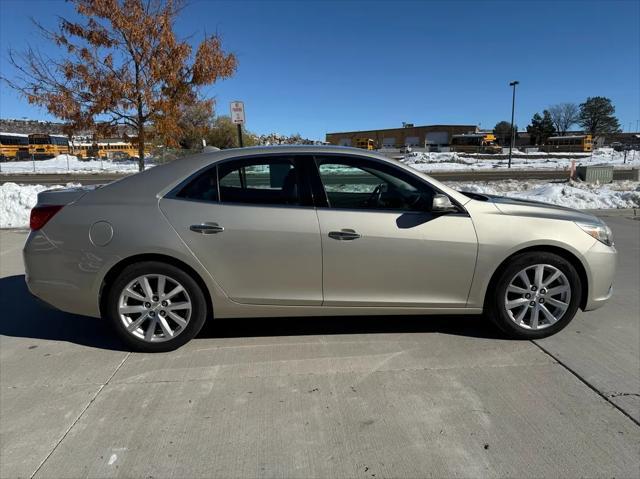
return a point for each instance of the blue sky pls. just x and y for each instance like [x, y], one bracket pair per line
[316, 67]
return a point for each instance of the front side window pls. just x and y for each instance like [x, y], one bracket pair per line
[362, 184]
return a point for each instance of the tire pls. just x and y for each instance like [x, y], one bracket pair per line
[512, 303]
[165, 315]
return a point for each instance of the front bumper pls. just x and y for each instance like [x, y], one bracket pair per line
[601, 263]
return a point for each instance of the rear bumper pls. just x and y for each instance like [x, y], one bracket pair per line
[601, 261]
[59, 278]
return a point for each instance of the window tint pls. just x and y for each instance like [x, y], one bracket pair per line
[203, 188]
[271, 181]
[362, 184]
[267, 181]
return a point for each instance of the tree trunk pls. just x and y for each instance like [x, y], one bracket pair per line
[141, 149]
[141, 139]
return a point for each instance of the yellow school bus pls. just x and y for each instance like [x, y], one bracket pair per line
[475, 143]
[364, 143]
[14, 146]
[107, 150]
[577, 143]
[43, 146]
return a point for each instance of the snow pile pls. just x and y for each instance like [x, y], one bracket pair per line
[16, 202]
[71, 164]
[426, 161]
[624, 194]
[278, 139]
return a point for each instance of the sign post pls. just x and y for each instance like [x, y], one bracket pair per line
[237, 117]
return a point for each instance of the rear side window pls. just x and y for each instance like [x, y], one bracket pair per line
[266, 181]
[258, 181]
[203, 188]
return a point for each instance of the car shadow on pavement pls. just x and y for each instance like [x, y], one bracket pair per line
[457, 325]
[25, 316]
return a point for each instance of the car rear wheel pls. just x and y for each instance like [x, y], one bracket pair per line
[155, 307]
[535, 296]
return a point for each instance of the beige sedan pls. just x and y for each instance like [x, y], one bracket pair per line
[308, 231]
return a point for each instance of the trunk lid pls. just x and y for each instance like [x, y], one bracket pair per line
[64, 196]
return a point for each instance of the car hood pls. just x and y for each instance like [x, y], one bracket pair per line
[538, 209]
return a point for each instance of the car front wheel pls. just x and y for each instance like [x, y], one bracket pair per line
[535, 296]
[155, 307]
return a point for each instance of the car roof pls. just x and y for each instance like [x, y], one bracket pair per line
[158, 180]
[270, 149]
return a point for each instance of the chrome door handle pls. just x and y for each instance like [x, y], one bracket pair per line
[207, 228]
[344, 235]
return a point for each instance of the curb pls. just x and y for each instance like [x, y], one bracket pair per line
[615, 212]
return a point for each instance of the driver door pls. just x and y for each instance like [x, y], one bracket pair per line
[381, 244]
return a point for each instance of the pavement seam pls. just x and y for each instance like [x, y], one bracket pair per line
[587, 383]
[91, 401]
[334, 373]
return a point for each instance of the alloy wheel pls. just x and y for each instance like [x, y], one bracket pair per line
[537, 297]
[154, 308]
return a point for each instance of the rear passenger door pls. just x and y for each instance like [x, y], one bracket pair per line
[252, 224]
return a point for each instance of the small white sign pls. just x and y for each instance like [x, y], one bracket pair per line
[237, 112]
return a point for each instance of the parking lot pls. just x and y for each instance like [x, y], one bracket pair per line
[322, 397]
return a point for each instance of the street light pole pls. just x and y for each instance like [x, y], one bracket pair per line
[513, 109]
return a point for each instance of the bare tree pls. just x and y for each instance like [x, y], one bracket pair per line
[564, 115]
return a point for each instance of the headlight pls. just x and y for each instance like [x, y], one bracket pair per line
[599, 231]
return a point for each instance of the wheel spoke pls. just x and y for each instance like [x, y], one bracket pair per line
[151, 329]
[180, 321]
[558, 290]
[558, 303]
[524, 278]
[173, 292]
[132, 294]
[178, 306]
[516, 302]
[516, 289]
[550, 317]
[551, 278]
[534, 317]
[538, 276]
[146, 287]
[165, 327]
[137, 322]
[136, 308]
[521, 315]
[161, 285]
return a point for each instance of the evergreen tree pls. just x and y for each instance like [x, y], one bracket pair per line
[502, 130]
[596, 116]
[541, 128]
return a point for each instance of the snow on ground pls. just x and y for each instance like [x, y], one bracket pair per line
[16, 202]
[453, 161]
[573, 194]
[419, 160]
[70, 164]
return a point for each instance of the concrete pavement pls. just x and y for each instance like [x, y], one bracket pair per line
[321, 397]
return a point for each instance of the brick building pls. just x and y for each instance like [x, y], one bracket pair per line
[408, 135]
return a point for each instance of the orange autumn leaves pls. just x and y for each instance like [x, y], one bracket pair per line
[122, 64]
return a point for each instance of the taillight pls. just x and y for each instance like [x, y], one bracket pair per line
[40, 215]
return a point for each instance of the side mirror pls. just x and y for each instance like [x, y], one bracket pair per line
[441, 204]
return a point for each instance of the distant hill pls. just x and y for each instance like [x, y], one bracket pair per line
[10, 125]
[13, 125]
